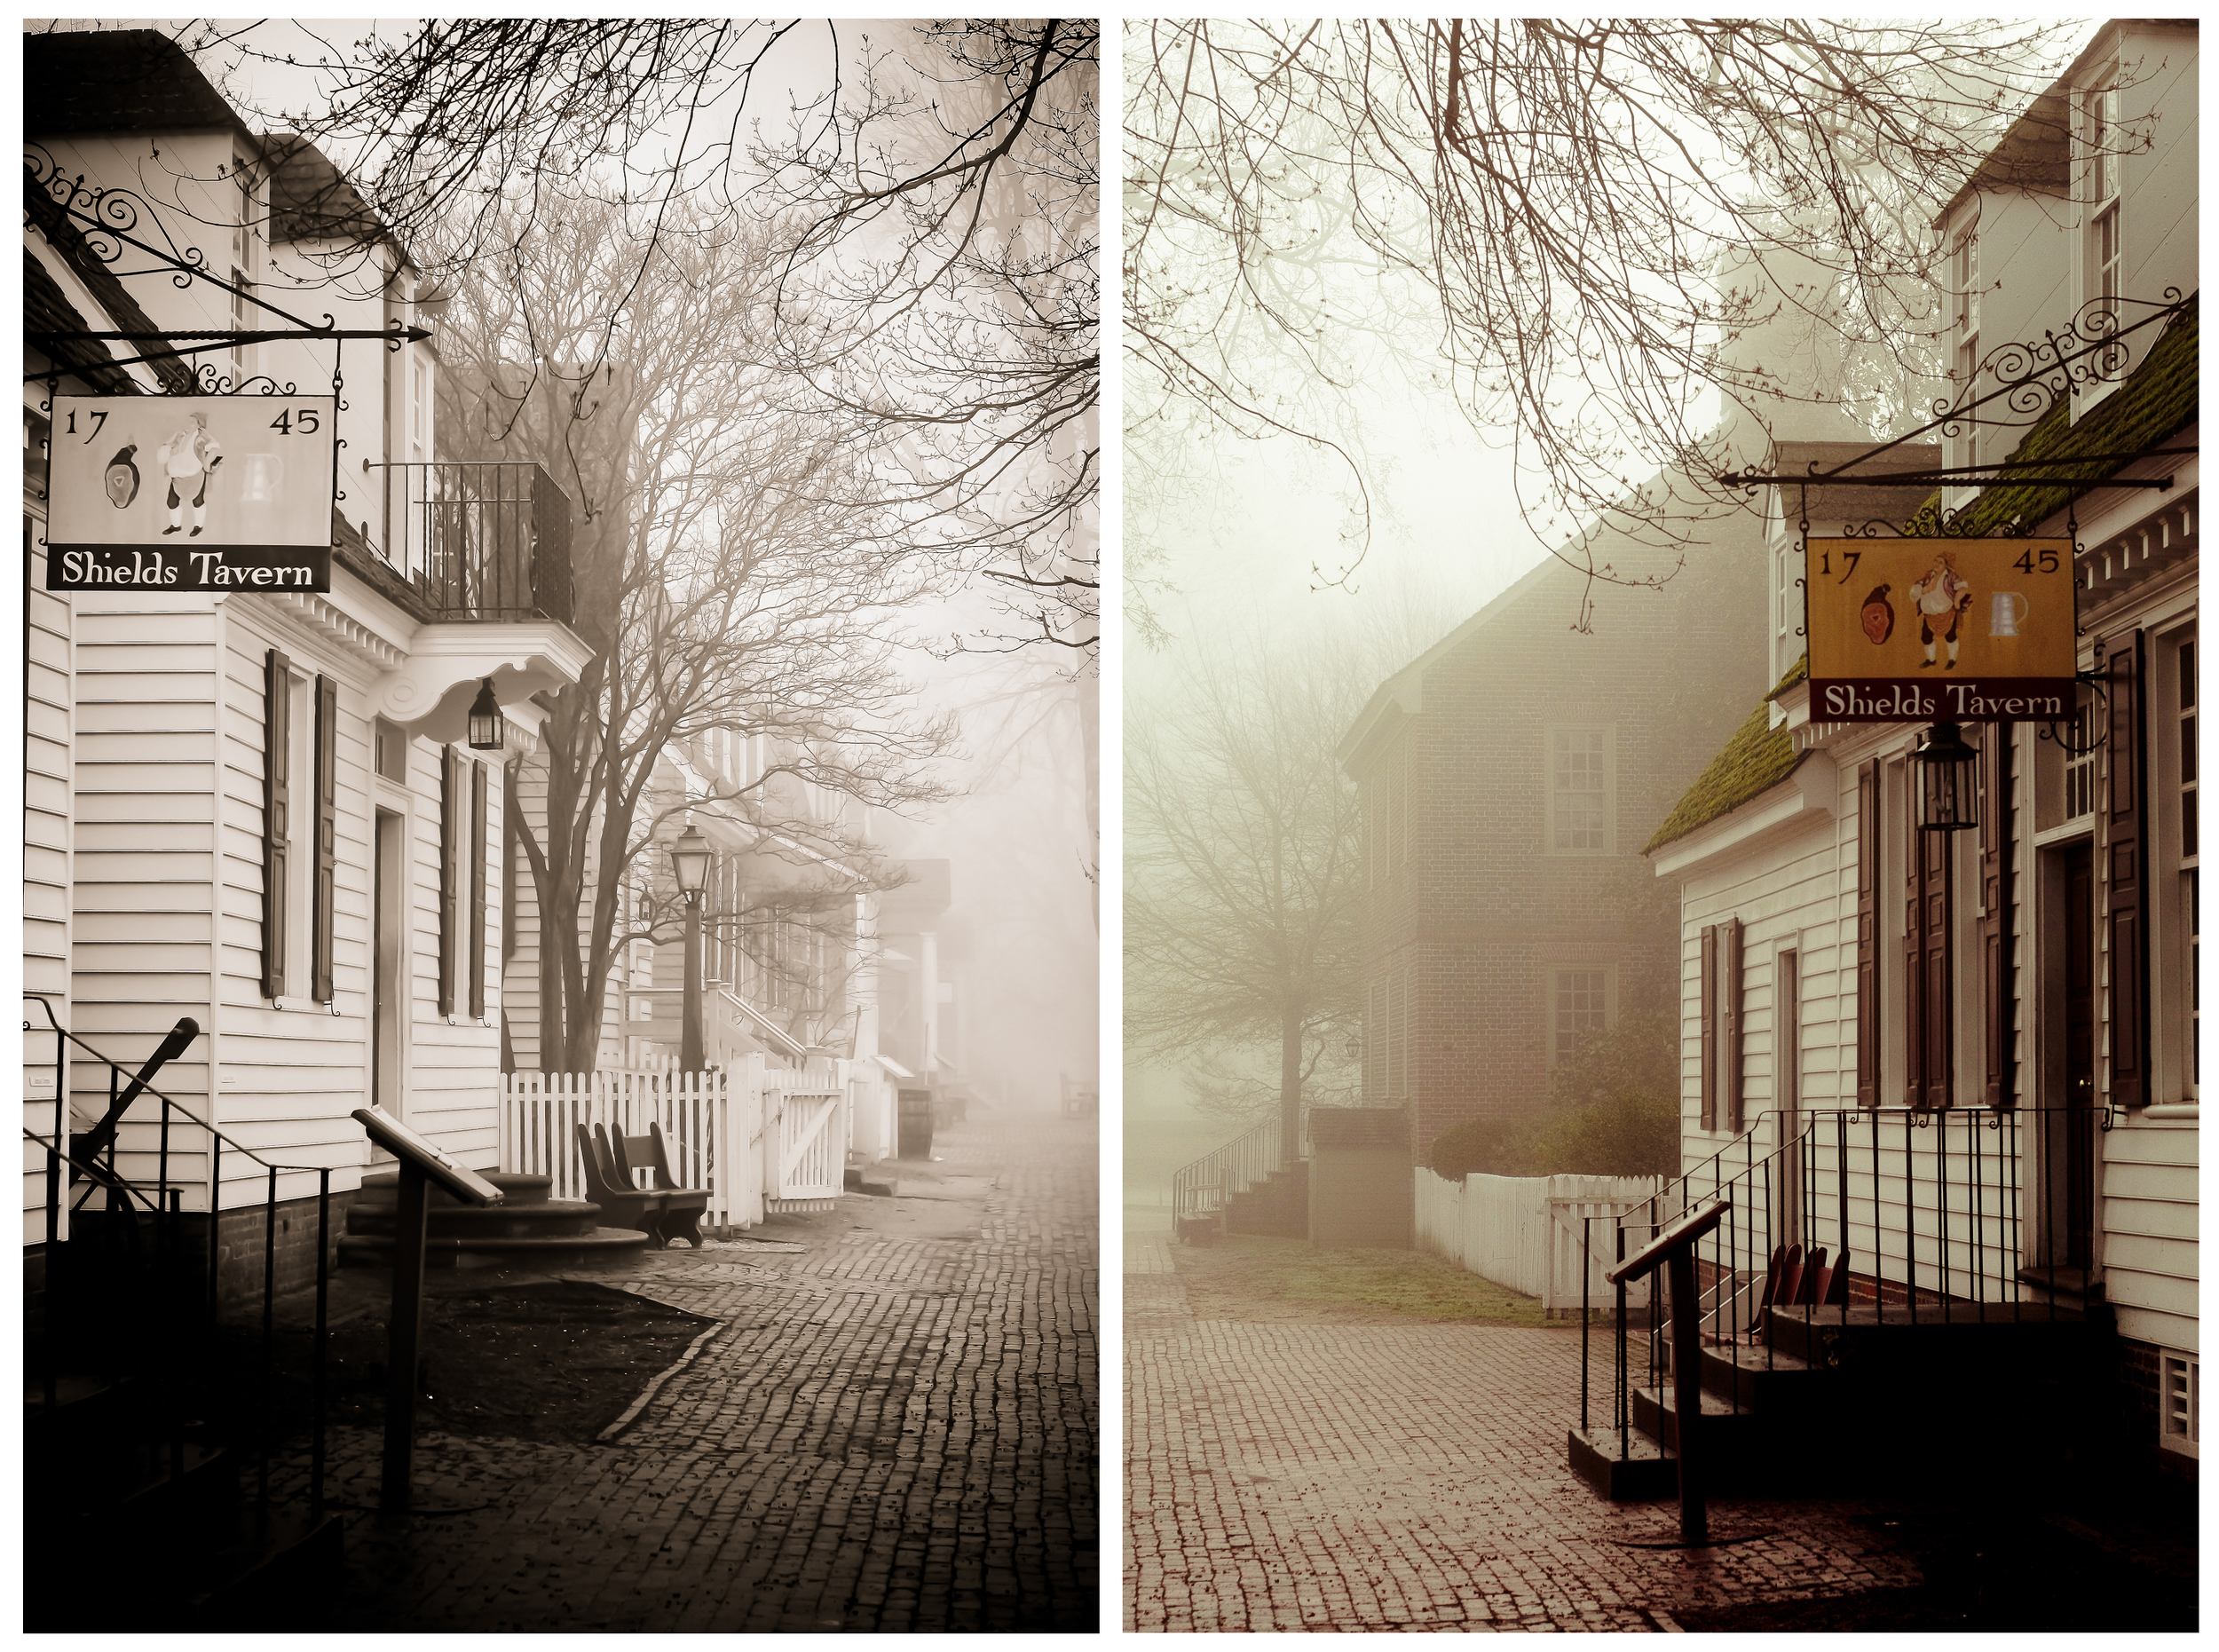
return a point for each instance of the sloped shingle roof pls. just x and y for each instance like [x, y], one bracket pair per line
[1757, 758]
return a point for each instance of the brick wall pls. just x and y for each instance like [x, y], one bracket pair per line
[1478, 912]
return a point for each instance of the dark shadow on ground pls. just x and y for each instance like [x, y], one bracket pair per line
[551, 1360]
[2113, 1556]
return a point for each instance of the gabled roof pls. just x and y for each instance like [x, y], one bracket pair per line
[2036, 154]
[1757, 758]
[1833, 504]
[312, 200]
[119, 79]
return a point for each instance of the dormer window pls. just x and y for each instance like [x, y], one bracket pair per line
[242, 263]
[2102, 121]
[1966, 268]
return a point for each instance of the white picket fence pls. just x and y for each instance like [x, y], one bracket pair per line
[761, 1137]
[1525, 1231]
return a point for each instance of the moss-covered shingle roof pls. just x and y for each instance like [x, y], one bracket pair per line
[1757, 758]
[2158, 399]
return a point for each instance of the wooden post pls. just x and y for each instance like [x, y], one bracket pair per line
[403, 1333]
[1694, 1524]
[1673, 1250]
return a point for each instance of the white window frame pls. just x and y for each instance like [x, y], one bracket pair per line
[1965, 359]
[2096, 125]
[1552, 982]
[1607, 733]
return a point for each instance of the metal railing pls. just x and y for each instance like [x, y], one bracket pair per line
[1882, 1216]
[1208, 1185]
[487, 542]
[168, 1329]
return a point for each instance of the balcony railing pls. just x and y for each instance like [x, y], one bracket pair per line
[487, 542]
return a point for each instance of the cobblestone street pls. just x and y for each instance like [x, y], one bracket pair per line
[1289, 1477]
[892, 1429]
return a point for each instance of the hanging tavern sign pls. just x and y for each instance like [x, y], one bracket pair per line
[1941, 630]
[191, 492]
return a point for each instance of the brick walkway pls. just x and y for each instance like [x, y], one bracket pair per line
[1341, 1477]
[893, 1431]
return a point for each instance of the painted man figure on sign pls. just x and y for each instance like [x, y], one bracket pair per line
[187, 459]
[1942, 595]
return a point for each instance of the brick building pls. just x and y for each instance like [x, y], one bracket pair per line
[1510, 776]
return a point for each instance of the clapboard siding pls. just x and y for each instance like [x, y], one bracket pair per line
[142, 860]
[2150, 1229]
[454, 1069]
[47, 627]
[293, 1071]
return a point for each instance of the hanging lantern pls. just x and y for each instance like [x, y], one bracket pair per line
[690, 861]
[1946, 800]
[489, 731]
[1356, 1050]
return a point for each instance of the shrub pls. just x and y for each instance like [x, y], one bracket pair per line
[1493, 1147]
[1613, 1109]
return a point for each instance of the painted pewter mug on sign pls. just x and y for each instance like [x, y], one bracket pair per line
[2003, 617]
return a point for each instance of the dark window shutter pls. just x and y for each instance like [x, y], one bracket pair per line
[1996, 1004]
[326, 832]
[1869, 934]
[474, 939]
[450, 806]
[1926, 1017]
[1730, 1028]
[277, 780]
[2127, 873]
[1709, 1036]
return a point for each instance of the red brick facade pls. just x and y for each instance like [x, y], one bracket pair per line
[1470, 912]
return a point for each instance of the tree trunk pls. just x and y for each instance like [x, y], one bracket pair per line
[1290, 1088]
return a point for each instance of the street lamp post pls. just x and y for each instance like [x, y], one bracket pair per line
[690, 861]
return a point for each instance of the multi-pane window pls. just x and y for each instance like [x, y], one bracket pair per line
[1579, 791]
[242, 263]
[1967, 283]
[2080, 762]
[2102, 128]
[1579, 1005]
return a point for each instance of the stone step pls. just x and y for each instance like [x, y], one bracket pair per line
[383, 1187]
[603, 1247]
[548, 1219]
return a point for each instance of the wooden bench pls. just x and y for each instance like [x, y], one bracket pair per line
[682, 1208]
[623, 1205]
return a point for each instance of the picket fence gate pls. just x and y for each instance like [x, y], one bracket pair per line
[762, 1138]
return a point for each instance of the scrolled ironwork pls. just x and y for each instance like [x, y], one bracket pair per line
[2032, 375]
[2101, 722]
[108, 217]
[207, 380]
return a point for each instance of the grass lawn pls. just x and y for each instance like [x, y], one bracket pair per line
[1253, 1278]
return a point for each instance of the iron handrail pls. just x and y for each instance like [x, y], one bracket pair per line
[1957, 1226]
[145, 1089]
[165, 1208]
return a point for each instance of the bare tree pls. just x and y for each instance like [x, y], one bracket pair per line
[1242, 858]
[1566, 210]
[943, 278]
[733, 567]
